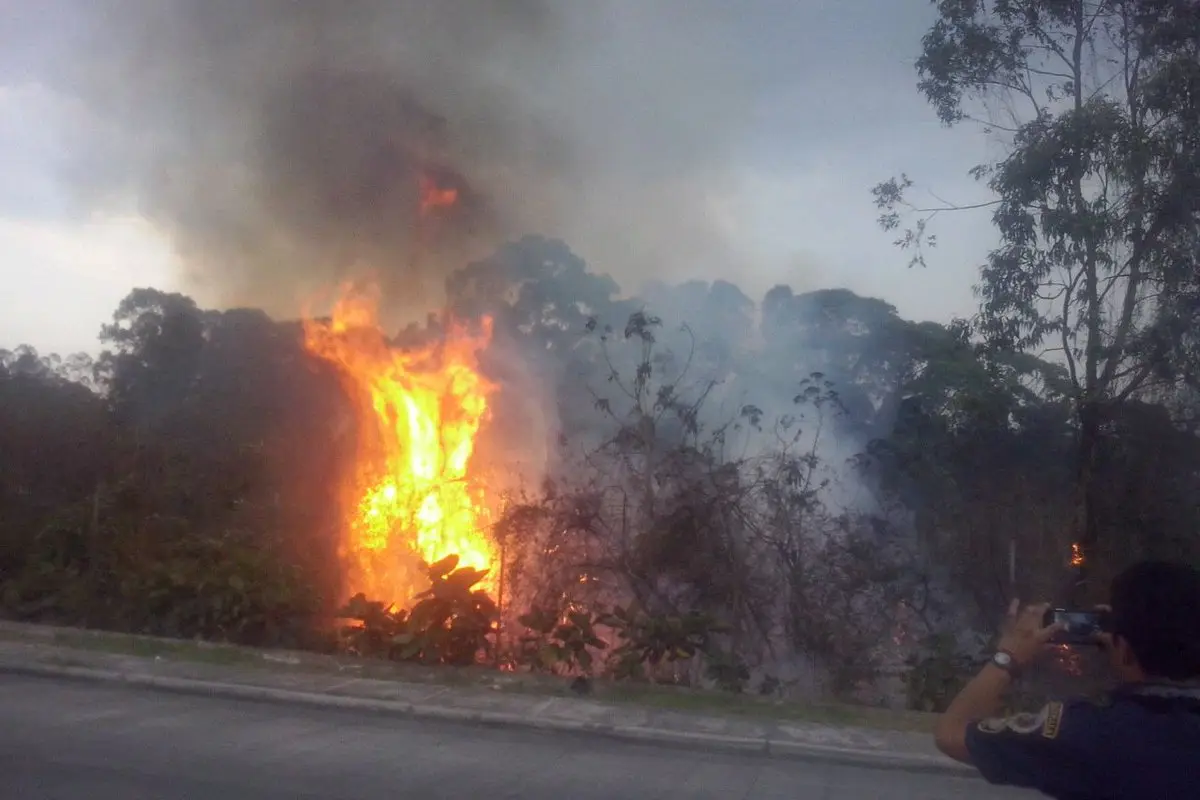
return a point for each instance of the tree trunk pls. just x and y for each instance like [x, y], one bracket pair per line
[1086, 532]
[1087, 527]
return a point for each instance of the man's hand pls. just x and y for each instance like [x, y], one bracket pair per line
[1023, 635]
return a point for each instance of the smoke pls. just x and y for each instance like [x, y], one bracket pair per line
[283, 145]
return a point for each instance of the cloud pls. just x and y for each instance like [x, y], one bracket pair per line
[62, 280]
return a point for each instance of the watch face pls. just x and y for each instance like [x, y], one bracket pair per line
[1002, 659]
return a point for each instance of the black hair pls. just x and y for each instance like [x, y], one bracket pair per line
[1156, 608]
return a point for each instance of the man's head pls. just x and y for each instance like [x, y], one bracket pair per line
[1156, 622]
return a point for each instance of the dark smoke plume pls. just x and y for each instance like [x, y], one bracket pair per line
[285, 145]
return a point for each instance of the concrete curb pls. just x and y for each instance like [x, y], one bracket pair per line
[678, 739]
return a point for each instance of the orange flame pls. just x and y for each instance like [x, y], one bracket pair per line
[434, 197]
[409, 497]
[1076, 554]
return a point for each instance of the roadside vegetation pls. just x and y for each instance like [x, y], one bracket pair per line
[804, 496]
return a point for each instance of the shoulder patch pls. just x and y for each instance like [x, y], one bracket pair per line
[1027, 723]
[1054, 715]
[993, 725]
[1022, 724]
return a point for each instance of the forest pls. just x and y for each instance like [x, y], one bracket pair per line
[836, 488]
[799, 493]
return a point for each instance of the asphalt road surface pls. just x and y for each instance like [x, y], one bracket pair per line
[61, 740]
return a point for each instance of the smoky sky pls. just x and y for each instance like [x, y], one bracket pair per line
[282, 144]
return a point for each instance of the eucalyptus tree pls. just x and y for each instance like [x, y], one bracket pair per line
[1096, 196]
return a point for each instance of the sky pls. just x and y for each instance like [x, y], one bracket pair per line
[833, 110]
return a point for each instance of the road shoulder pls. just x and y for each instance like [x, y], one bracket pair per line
[282, 677]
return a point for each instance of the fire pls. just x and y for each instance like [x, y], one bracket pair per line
[409, 497]
[433, 196]
[1068, 660]
[1076, 554]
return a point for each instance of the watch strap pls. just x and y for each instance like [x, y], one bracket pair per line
[1005, 661]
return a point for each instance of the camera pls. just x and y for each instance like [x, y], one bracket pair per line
[1079, 627]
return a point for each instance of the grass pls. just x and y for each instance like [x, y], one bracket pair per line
[156, 648]
[840, 714]
[133, 645]
[669, 698]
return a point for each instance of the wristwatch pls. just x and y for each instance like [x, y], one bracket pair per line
[1005, 661]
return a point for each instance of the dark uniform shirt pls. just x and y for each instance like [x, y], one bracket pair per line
[1143, 742]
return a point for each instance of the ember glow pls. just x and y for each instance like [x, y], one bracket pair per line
[409, 496]
[1068, 660]
[434, 197]
[1076, 555]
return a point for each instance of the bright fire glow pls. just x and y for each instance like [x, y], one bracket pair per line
[409, 497]
[1076, 554]
[434, 197]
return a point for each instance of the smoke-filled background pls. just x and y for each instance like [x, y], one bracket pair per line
[283, 147]
[664, 209]
[281, 143]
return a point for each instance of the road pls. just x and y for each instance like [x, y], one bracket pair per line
[61, 740]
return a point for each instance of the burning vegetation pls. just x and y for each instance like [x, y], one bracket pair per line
[408, 500]
[667, 546]
[758, 492]
[408, 497]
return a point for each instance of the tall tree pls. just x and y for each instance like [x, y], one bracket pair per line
[154, 345]
[1097, 198]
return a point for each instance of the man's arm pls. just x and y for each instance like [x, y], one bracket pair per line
[981, 698]
[1023, 638]
[1035, 751]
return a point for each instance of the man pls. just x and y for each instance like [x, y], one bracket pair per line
[1142, 742]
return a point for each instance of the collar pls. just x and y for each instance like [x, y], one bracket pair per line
[1187, 691]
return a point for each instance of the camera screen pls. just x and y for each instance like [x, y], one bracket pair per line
[1078, 622]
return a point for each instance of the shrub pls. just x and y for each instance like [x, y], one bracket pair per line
[937, 672]
[560, 642]
[449, 624]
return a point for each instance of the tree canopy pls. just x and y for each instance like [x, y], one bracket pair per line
[1097, 196]
[766, 465]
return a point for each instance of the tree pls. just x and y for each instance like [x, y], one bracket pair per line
[56, 441]
[540, 296]
[978, 454]
[1097, 199]
[536, 288]
[155, 342]
[860, 344]
[193, 498]
[713, 324]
